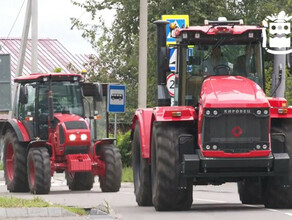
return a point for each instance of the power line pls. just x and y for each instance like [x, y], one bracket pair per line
[14, 21]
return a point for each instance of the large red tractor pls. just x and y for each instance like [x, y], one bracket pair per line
[58, 124]
[221, 128]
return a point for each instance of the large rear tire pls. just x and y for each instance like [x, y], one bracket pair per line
[141, 172]
[14, 160]
[278, 190]
[165, 168]
[79, 181]
[111, 181]
[39, 170]
[250, 191]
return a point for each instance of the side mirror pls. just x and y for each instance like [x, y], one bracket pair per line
[23, 96]
[94, 90]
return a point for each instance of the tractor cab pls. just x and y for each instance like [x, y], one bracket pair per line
[220, 48]
[33, 106]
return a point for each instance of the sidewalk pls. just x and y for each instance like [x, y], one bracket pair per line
[49, 213]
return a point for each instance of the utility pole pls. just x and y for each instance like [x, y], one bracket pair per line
[34, 37]
[24, 37]
[142, 87]
[279, 77]
[31, 18]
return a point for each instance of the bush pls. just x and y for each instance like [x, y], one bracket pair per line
[124, 144]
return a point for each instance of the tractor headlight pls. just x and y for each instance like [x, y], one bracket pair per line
[83, 137]
[72, 137]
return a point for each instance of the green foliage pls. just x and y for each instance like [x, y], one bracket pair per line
[127, 174]
[57, 70]
[124, 144]
[13, 202]
[117, 46]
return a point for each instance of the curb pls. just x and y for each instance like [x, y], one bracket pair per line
[35, 212]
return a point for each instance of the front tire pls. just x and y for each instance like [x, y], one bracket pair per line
[278, 190]
[79, 181]
[111, 181]
[250, 191]
[39, 170]
[165, 168]
[14, 160]
[141, 172]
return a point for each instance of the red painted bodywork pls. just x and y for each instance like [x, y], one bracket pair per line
[165, 113]
[279, 104]
[145, 118]
[208, 29]
[230, 92]
[39, 76]
[22, 130]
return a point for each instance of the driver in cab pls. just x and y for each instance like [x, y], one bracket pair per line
[215, 64]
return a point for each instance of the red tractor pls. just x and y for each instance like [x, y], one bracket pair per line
[221, 128]
[58, 124]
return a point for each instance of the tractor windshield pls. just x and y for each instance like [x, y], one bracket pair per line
[200, 61]
[67, 97]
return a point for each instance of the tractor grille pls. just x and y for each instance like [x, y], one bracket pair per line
[236, 133]
[76, 150]
[70, 125]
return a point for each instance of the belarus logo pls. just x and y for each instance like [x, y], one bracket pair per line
[279, 33]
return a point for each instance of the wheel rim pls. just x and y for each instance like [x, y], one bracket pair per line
[10, 161]
[31, 173]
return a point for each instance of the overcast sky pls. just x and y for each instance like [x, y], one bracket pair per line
[53, 22]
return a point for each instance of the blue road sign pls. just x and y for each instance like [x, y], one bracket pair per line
[181, 21]
[116, 98]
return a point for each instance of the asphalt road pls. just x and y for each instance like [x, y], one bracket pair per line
[210, 202]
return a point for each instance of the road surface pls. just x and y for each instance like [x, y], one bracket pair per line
[210, 203]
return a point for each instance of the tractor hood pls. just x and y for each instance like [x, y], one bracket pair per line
[232, 92]
[71, 121]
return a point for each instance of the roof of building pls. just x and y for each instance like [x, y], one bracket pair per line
[51, 54]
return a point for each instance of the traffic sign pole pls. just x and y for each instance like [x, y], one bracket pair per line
[115, 131]
[116, 102]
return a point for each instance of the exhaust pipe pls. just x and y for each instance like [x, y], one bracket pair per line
[162, 64]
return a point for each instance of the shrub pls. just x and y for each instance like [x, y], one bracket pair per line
[124, 144]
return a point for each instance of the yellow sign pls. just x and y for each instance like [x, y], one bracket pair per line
[180, 21]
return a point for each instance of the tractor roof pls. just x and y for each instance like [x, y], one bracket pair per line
[219, 29]
[37, 77]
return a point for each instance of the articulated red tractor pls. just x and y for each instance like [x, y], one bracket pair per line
[221, 128]
[58, 124]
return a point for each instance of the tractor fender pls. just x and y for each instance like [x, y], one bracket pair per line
[40, 143]
[97, 144]
[18, 128]
[174, 113]
[145, 120]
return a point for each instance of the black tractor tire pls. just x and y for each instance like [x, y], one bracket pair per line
[250, 191]
[111, 181]
[78, 181]
[166, 167]
[141, 172]
[278, 190]
[39, 170]
[14, 162]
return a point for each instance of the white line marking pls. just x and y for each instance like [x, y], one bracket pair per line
[210, 200]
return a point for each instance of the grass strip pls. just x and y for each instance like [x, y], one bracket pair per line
[127, 174]
[37, 202]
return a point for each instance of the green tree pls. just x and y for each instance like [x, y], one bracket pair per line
[117, 46]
